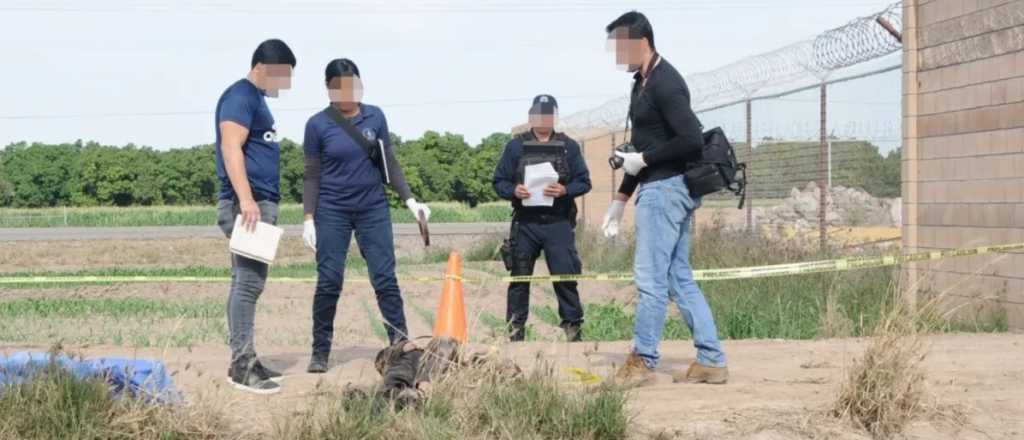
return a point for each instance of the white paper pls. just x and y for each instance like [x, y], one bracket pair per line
[536, 178]
[259, 245]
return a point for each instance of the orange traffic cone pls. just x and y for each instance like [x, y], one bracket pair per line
[451, 314]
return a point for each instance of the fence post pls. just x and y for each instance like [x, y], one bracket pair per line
[65, 215]
[750, 163]
[823, 170]
[830, 163]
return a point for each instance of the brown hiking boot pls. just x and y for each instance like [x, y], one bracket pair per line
[634, 372]
[698, 373]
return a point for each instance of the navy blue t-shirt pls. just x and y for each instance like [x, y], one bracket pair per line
[246, 105]
[348, 180]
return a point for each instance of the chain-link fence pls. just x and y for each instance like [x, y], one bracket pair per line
[820, 113]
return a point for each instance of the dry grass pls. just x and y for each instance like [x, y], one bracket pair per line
[885, 388]
[834, 321]
[480, 401]
[56, 405]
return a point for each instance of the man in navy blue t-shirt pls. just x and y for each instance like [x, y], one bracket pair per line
[248, 165]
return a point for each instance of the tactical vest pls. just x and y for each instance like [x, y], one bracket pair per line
[535, 152]
[556, 152]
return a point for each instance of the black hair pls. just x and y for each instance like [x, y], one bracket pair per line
[636, 24]
[340, 67]
[273, 51]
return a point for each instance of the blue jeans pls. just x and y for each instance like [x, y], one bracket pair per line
[372, 227]
[664, 210]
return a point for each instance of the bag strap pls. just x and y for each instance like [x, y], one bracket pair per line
[351, 131]
[378, 160]
[741, 184]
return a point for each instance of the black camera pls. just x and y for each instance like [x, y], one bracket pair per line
[615, 161]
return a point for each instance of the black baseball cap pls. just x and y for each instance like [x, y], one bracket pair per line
[544, 105]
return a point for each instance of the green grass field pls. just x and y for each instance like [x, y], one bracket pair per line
[291, 214]
[791, 307]
[794, 307]
[133, 322]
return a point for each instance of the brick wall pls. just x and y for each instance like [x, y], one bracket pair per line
[963, 170]
[597, 148]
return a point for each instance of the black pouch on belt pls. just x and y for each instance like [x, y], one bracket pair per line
[508, 247]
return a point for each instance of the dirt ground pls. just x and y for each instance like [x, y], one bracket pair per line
[778, 389]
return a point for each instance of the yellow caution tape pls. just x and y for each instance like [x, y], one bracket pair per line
[775, 270]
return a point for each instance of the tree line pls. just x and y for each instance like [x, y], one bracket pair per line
[438, 167]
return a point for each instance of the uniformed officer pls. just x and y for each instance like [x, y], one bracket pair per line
[547, 228]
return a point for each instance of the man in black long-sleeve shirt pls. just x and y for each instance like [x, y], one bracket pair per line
[667, 135]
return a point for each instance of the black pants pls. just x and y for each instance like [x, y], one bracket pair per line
[558, 241]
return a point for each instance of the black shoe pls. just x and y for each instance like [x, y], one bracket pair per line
[243, 377]
[262, 372]
[573, 333]
[317, 364]
[266, 373]
[516, 333]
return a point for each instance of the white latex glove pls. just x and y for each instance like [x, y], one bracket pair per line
[613, 218]
[309, 234]
[632, 162]
[416, 208]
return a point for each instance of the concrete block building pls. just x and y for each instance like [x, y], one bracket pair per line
[963, 169]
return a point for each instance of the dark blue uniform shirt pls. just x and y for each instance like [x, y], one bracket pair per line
[348, 179]
[245, 105]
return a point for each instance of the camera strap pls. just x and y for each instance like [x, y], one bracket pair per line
[377, 157]
[639, 84]
[629, 112]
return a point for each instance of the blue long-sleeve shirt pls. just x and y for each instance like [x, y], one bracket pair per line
[506, 176]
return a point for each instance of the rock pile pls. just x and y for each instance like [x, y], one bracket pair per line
[846, 207]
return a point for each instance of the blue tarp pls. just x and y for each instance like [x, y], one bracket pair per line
[143, 379]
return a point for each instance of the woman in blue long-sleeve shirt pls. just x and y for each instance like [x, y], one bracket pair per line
[344, 193]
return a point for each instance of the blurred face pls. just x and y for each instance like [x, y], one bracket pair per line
[345, 90]
[629, 51]
[543, 122]
[275, 77]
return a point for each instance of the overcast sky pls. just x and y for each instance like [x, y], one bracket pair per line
[150, 72]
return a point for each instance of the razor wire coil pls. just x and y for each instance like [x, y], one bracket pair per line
[861, 40]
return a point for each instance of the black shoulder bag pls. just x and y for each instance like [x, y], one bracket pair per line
[374, 152]
[717, 168]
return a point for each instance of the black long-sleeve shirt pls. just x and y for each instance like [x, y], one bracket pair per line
[665, 128]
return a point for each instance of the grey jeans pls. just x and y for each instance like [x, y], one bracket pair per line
[247, 280]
